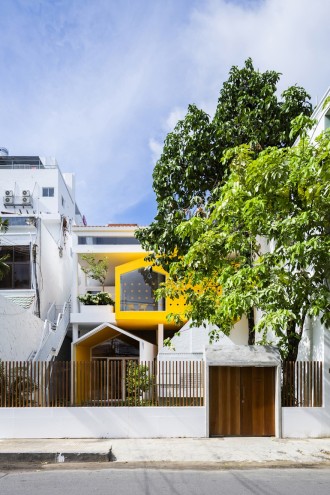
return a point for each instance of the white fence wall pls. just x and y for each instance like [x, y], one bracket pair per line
[102, 422]
[305, 422]
[140, 422]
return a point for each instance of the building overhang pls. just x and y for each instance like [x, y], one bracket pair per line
[242, 355]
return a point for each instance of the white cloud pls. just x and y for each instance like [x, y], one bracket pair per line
[156, 145]
[175, 115]
[93, 80]
[290, 36]
[156, 148]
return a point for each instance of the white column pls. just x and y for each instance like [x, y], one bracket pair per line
[75, 332]
[74, 289]
[326, 371]
[160, 336]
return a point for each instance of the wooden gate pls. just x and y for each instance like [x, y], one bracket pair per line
[242, 401]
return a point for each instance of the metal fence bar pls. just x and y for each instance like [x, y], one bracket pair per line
[113, 382]
[302, 384]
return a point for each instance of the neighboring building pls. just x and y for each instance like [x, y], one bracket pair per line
[38, 202]
[322, 115]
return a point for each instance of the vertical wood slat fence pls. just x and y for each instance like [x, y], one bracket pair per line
[102, 382]
[302, 384]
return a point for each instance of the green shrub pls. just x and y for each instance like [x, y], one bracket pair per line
[99, 299]
[139, 382]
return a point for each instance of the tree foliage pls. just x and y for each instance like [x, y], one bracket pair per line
[95, 269]
[191, 166]
[264, 243]
[139, 382]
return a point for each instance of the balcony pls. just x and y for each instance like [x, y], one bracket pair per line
[93, 315]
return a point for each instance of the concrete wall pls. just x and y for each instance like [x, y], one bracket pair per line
[55, 272]
[304, 422]
[103, 422]
[20, 332]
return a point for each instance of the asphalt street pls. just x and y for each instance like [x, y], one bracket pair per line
[166, 482]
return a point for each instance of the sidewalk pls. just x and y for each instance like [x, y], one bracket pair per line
[220, 452]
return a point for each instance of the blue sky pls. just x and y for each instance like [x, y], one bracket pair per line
[99, 83]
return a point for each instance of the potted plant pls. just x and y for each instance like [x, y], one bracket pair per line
[99, 299]
[97, 307]
[97, 270]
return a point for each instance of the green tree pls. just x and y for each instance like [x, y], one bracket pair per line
[95, 269]
[282, 198]
[191, 165]
[139, 382]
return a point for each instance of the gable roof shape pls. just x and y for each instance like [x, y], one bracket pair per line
[93, 335]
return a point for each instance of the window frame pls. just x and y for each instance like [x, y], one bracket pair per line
[11, 274]
[48, 190]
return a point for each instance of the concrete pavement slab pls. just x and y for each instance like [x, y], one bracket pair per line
[171, 450]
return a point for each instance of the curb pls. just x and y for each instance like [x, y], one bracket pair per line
[55, 457]
[77, 462]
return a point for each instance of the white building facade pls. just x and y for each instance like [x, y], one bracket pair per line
[38, 205]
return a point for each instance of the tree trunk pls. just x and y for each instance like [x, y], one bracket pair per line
[288, 389]
[293, 342]
[252, 333]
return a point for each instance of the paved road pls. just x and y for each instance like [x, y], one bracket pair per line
[167, 482]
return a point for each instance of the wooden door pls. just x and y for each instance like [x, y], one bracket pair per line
[242, 401]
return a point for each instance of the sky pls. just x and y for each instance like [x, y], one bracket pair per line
[98, 84]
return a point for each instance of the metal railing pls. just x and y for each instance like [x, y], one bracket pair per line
[55, 331]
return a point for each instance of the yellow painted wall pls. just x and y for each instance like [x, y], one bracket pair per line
[83, 353]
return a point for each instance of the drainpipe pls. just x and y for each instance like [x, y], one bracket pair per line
[34, 264]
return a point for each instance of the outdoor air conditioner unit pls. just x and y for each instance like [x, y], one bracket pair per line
[9, 193]
[26, 197]
[8, 200]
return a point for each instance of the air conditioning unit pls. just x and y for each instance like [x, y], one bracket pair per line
[9, 193]
[26, 198]
[8, 200]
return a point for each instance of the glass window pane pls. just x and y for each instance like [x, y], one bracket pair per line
[22, 276]
[137, 290]
[7, 250]
[22, 253]
[48, 192]
[6, 281]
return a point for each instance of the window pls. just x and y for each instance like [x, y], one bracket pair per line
[48, 192]
[137, 291]
[20, 221]
[107, 240]
[19, 274]
[63, 201]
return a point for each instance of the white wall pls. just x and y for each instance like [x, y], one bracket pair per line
[55, 271]
[102, 422]
[191, 341]
[148, 351]
[20, 332]
[304, 422]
